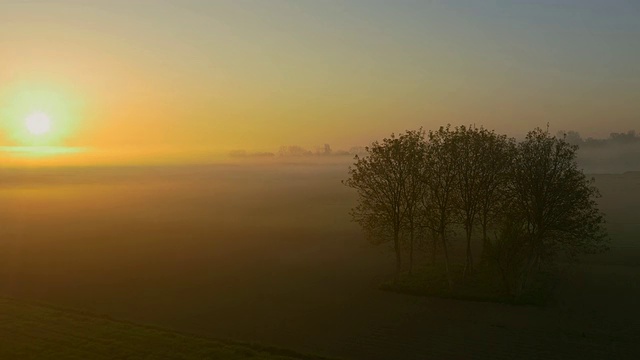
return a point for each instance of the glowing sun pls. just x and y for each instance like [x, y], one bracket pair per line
[38, 123]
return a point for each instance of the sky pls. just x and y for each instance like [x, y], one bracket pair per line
[186, 77]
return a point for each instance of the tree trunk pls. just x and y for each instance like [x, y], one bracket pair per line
[434, 239]
[468, 267]
[411, 249]
[396, 243]
[530, 266]
[446, 259]
[485, 241]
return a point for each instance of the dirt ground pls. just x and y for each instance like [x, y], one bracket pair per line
[267, 254]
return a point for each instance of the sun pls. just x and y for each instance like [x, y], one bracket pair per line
[38, 123]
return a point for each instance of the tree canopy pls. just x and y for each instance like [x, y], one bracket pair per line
[526, 201]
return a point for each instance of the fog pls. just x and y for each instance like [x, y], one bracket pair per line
[247, 252]
[266, 252]
[618, 153]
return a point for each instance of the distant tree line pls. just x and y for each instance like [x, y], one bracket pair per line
[574, 137]
[618, 153]
[523, 204]
[299, 151]
[325, 150]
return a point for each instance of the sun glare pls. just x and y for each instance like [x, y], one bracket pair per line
[38, 123]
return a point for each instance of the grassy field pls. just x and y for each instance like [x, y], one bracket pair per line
[29, 331]
[269, 255]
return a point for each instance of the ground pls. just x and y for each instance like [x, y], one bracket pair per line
[268, 255]
[32, 331]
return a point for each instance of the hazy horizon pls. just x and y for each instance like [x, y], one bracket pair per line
[194, 77]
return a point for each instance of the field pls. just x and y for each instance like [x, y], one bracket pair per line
[29, 331]
[266, 253]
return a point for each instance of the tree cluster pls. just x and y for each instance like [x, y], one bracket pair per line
[522, 204]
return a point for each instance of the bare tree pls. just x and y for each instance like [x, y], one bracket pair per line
[555, 199]
[415, 146]
[493, 195]
[384, 179]
[469, 168]
[440, 178]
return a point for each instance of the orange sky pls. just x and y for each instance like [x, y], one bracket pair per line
[189, 77]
